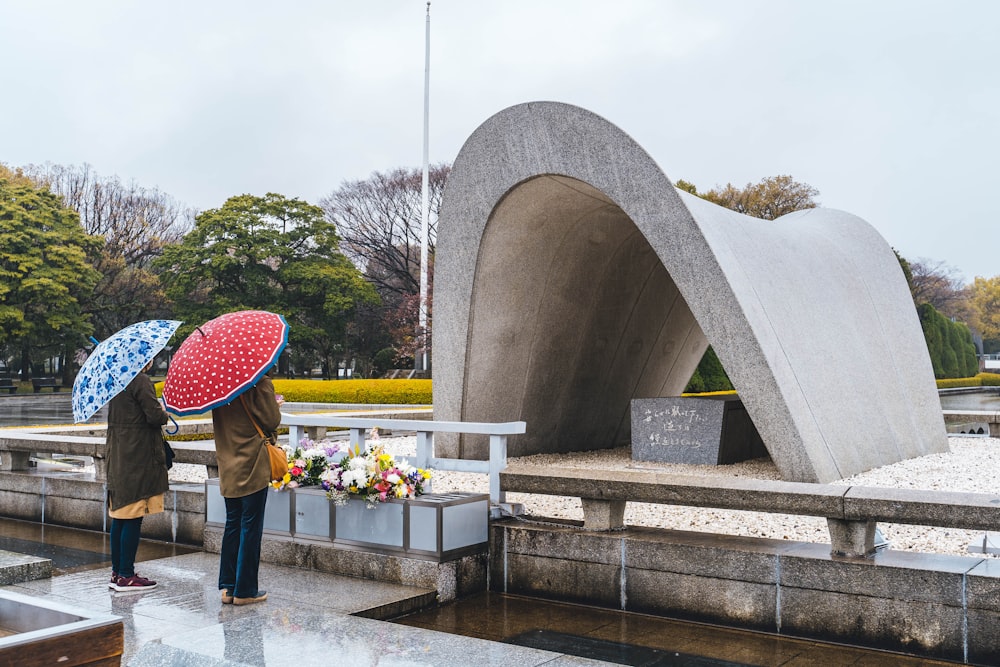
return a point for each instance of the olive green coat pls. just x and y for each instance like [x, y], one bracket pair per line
[244, 466]
[137, 466]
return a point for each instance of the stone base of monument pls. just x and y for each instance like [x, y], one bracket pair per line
[36, 631]
[702, 430]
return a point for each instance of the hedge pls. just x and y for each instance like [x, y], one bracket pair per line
[980, 380]
[368, 392]
[379, 392]
[949, 344]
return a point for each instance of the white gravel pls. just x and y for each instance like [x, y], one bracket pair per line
[972, 465]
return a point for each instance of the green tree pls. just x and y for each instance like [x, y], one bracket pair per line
[949, 344]
[45, 274]
[268, 253]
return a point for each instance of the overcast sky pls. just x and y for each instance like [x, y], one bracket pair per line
[891, 109]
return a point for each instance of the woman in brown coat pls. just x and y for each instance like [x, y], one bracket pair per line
[137, 474]
[244, 477]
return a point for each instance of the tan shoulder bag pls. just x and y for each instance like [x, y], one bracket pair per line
[279, 461]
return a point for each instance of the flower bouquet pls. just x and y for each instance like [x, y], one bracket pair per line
[372, 474]
[308, 462]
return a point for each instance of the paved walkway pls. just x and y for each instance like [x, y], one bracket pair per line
[309, 618]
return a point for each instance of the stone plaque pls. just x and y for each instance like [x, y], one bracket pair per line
[682, 429]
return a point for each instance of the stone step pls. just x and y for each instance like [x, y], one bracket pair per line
[16, 568]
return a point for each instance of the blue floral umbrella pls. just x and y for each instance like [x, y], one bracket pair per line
[115, 362]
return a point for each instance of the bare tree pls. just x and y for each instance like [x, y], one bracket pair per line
[136, 224]
[941, 285]
[378, 220]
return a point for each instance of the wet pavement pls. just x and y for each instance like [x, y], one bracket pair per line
[42, 409]
[317, 618]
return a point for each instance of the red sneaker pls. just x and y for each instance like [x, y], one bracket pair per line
[114, 580]
[133, 583]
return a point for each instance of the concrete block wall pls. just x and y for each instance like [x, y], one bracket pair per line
[933, 606]
[78, 501]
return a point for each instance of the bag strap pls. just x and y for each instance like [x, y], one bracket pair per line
[253, 421]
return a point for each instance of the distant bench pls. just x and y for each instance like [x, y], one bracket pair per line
[7, 384]
[851, 511]
[45, 383]
[991, 417]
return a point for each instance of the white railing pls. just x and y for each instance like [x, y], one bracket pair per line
[425, 430]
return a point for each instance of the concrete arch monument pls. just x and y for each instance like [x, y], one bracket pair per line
[571, 277]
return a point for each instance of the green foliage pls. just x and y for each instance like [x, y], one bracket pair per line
[686, 186]
[710, 376]
[268, 253]
[949, 344]
[904, 264]
[384, 360]
[45, 275]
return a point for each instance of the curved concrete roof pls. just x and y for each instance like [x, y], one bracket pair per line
[571, 277]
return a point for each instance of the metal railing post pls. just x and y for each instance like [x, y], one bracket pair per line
[425, 452]
[498, 461]
[357, 438]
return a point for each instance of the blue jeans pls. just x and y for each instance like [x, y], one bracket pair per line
[124, 545]
[239, 557]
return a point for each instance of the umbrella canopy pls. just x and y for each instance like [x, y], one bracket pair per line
[115, 362]
[223, 358]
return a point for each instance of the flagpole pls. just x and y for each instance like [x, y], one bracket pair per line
[424, 197]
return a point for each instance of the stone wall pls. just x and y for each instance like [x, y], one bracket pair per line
[927, 605]
[77, 501]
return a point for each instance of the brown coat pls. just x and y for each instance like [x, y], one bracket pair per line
[244, 467]
[137, 466]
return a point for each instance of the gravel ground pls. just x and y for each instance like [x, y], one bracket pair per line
[972, 465]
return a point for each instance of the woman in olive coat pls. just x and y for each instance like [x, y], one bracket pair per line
[137, 474]
[244, 478]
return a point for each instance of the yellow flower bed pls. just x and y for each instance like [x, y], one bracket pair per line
[368, 392]
[376, 392]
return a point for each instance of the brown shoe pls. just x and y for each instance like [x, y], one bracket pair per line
[260, 597]
[227, 597]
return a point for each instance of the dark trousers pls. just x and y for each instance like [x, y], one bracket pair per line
[124, 545]
[239, 557]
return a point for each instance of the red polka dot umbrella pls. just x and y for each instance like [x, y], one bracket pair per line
[223, 358]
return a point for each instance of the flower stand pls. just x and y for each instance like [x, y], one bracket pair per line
[278, 518]
[434, 526]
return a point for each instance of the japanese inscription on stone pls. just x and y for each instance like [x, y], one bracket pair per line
[677, 429]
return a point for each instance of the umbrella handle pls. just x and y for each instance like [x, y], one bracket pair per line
[177, 426]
